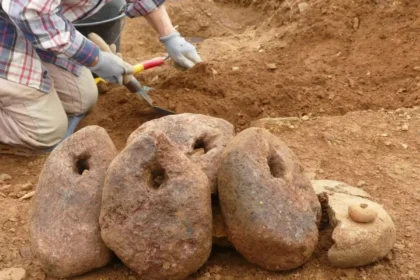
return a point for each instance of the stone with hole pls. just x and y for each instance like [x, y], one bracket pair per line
[156, 209]
[201, 138]
[64, 220]
[361, 239]
[270, 208]
[362, 213]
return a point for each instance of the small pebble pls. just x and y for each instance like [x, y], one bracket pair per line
[305, 118]
[404, 127]
[405, 146]
[271, 66]
[361, 183]
[155, 79]
[235, 68]
[5, 177]
[27, 196]
[26, 187]
[356, 23]
[166, 266]
[303, 7]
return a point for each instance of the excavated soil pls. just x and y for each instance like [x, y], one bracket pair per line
[347, 65]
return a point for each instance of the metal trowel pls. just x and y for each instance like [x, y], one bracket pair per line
[129, 81]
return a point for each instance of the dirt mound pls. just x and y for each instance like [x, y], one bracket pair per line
[332, 58]
[200, 78]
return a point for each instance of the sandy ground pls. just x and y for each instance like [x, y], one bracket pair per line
[349, 66]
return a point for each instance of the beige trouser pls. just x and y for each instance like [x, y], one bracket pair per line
[37, 120]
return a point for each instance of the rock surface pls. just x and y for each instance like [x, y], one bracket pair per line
[331, 187]
[358, 244]
[12, 274]
[201, 138]
[64, 221]
[270, 208]
[156, 209]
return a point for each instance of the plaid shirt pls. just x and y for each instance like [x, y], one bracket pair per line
[32, 31]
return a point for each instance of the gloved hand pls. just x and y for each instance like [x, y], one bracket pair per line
[182, 52]
[111, 67]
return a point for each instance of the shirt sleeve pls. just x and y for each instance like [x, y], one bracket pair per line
[43, 24]
[136, 8]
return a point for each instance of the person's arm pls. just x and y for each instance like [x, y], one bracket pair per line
[181, 51]
[43, 24]
[46, 28]
[160, 21]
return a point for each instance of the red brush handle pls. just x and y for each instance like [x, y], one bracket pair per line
[153, 63]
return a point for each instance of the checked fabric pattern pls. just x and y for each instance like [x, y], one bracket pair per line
[36, 31]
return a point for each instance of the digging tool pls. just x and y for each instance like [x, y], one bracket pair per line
[129, 81]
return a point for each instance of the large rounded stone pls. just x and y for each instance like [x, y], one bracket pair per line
[355, 244]
[156, 209]
[64, 220]
[269, 207]
[201, 138]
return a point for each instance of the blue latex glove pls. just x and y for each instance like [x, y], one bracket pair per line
[182, 52]
[111, 67]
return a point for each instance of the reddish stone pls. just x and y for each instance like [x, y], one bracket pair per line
[64, 221]
[270, 208]
[156, 209]
[201, 138]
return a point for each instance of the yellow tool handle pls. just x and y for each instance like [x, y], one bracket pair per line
[137, 69]
[98, 80]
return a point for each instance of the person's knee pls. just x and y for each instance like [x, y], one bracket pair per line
[52, 132]
[89, 98]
